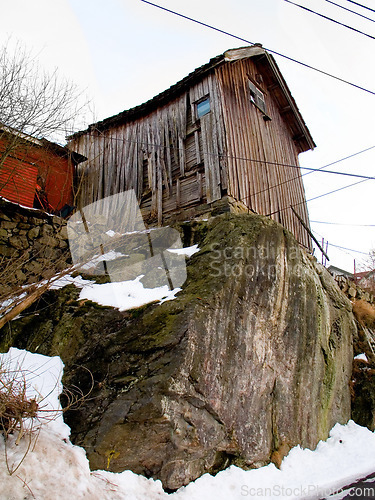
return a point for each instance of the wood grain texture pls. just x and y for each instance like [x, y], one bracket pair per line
[173, 159]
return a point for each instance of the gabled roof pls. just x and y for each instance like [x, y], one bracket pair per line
[336, 271]
[274, 81]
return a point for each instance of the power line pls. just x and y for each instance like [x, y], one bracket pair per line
[330, 19]
[340, 247]
[308, 173]
[311, 170]
[360, 5]
[352, 11]
[341, 224]
[348, 249]
[268, 50]
[315, 198]
[254, 160]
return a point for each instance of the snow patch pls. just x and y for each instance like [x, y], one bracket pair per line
[55, 468]
[361, 356]
[188, 251]
[126, 295]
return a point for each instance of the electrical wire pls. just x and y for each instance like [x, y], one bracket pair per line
[348, 249]
[341, 224]
[315, 198]
[272, 163]
[330, 19]
[307, 173]
[352, 11]
[361, 5]
[268, 50]
[280, 164]
[254, 160]
[344, 249]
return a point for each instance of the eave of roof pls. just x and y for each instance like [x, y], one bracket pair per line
[44, 143]
[176, 89]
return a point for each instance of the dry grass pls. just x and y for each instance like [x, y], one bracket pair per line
[364, 312]
[24, 416]
[15, 406]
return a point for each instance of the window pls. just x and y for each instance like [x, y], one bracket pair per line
[203, 107]
[257, 97]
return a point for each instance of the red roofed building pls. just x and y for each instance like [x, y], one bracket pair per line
[36, 172]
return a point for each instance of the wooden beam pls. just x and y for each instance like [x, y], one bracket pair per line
[310, 233]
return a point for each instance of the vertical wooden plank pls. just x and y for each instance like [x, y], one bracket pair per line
[197, 148]
[181, 150]
[200, 185]
[178, 193]
[160, 196]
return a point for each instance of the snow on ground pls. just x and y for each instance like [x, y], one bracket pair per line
[54, 468]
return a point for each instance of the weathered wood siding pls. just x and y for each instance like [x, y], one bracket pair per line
[176, 161]
[265, 188]
[169, 157]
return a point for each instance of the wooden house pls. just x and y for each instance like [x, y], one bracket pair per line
[36, 173]
[226, 137]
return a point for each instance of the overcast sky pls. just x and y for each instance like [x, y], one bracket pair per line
[123, 52]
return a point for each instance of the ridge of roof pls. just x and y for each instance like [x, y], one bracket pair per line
[229, 55]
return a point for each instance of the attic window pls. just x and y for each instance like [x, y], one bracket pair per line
[257, 98]
[203, 107]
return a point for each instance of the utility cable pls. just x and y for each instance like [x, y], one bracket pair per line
[352, 11]
[330, 19]
[272, 163]
[307, 173]
[340, 247]
[315, 198]
[254, 160]
[348, 249]
[341, 224]
[361, 5]
[268, 50]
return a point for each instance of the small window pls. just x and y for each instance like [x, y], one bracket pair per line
[257, 97]
[203, 107]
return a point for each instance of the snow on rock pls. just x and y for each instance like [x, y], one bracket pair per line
[125, 294]
[188, 251]
[362, 356]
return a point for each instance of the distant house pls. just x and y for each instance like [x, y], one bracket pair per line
[365, 280]
[226, 137]
[336, 271]
[36, 173]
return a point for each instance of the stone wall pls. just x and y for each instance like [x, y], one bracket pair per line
[353, 291]
[33, 245]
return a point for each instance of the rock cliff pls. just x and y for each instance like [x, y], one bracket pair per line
[253, 357]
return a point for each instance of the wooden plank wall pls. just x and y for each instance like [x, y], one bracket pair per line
[263, 187]
[169, 157]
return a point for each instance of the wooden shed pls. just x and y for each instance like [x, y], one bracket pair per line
[36, 172]
[226, 137]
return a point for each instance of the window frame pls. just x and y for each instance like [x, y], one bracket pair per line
[198, 103]
[258, 98]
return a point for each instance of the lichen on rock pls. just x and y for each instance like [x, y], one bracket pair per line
[253, 357]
